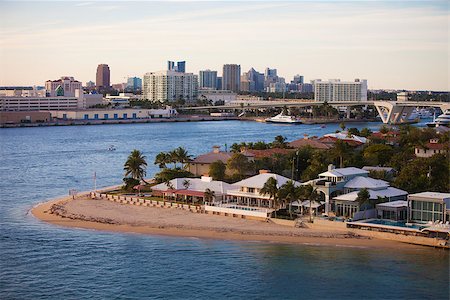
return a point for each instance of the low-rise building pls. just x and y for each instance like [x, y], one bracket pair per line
[17, 117]
[113, 114]
[428, 207]
[193, 189]
[199, 166]
[431, 148]
[248, 192]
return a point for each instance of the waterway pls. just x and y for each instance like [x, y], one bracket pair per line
[41, 261]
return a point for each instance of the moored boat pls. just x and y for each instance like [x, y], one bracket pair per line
[281, 118]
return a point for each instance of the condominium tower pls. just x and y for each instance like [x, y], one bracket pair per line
[103, 76]
[208, 79]
[231, 77]
[336, 90]
[170, 86]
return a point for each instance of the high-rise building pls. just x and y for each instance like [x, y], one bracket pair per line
[270, 76]
[231, 77]
[208, 79]
[170, 86]
[298, 79]
[219, 83]
[336, 90]
[66, 86]
[134, 84]
[252, 81]
[103, 77]
[179, 67]
[90, 84]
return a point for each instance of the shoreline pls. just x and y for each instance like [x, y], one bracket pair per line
[280, 235]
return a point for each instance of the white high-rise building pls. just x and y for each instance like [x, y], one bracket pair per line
[170, 86]
[336, 90]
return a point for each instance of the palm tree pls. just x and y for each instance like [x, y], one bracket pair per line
[186, 184]
[340, 150]
[271, 188]
[209, 196]
[289, 192]
[363, 198]
[308, 192]
[162, 159]
[135, 165]
[181, 155]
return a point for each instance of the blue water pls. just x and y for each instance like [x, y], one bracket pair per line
[395, 223]
[41, 261]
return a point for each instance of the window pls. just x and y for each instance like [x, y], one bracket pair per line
[116, 116]
[134, 116]
[105, 116]
[96, 116]
[86, 116]
[125, 116]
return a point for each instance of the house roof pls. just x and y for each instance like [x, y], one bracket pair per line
[259, 180]
[360, 182]
[209, 158]
[266, 152]
[345, 137]
[197, 184]
[431, 195]
[313, 143]
[374, 194]
[435, 146]
[332, 140]
[343, 172]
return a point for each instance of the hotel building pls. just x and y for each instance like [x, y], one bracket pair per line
[231, 78]
[66, 86]
[336, 90]
[208, 79]
[170, 86]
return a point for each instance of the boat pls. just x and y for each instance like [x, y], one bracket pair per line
[112, 148]
[441, 120]
[281, 118]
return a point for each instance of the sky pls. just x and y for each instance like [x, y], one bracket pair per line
[392, 44]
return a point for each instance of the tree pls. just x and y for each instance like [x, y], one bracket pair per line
[217, 170]
[377, 154]
[308, 192]
[384, 129]
[186, 184]
[209, 196]
[240, 164]
[135, 165]
[181, 155]
[288, 192]
[340, 150]
[365, 132]
[342, 126]
[270, 188]
[363, 199]
[279, 142]
[162, 159]
[353, 131]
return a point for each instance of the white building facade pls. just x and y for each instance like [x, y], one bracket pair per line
[66, 86]
[336, 90]
[170, 86]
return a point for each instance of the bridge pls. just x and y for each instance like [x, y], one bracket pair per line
[391, 112]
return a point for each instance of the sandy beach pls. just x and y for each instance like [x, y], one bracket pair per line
[111, 216]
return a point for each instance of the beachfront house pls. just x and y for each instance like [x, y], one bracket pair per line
[428, 207]
[431, 148]
[199, 166]
[347, 204]
[395, 210]
[192, 189]
[247, 191]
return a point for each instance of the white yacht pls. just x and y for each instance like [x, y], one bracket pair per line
[441, 120]
[281, 118]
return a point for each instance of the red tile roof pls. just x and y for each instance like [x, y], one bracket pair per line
[314, 143]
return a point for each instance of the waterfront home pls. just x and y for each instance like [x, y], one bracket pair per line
[347, 204]
[200, 165]
[331, 141]
[248, 190]
[395, 210]
[428, 207]
[431, 148]
[391, 137]
[192, 189]
[310, 142]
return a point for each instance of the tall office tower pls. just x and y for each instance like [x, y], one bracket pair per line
[134, 84]
[253, 81]
[179, 67]
[270, 77]
[298, 79]
[208, 79]
[170, 86]
[66, 86]
[231, 77]
[219, 83]
[270, 72]
[336, 90]
[103, 76]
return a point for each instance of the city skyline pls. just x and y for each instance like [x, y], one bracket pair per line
[394, 44]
